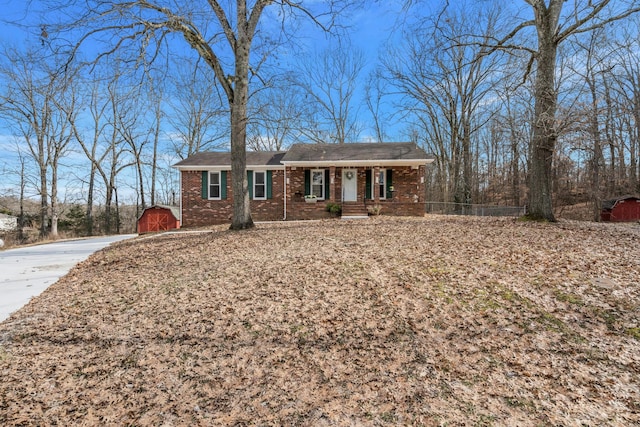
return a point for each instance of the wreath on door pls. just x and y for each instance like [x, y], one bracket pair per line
[349, 175]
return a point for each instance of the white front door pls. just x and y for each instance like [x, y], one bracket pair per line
[349, 185]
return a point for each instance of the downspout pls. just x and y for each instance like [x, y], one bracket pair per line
[180, 190]
[284, 218]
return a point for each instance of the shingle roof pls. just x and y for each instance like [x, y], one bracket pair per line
[211, 158]
[355, 152]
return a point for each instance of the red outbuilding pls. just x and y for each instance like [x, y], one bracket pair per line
[624, 208]
[159, 218]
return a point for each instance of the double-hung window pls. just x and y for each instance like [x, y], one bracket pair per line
[215, 191]
[259, 185]
[317, 183]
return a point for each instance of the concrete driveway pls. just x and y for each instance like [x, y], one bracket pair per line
[26, 272]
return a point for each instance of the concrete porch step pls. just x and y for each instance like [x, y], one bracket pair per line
[354, 210]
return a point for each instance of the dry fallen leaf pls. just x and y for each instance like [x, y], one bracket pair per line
[485, 321]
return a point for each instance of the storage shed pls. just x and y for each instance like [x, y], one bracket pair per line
[621, 209]
[159, 218]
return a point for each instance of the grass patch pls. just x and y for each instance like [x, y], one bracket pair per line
[568, 297]
[609, 317]
[633, 332]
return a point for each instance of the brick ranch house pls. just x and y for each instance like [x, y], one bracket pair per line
[355, 176]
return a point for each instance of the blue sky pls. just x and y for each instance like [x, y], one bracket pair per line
[368, 27]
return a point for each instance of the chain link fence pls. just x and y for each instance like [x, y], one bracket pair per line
[449, 208]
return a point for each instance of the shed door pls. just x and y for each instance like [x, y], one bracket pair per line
[159, 221]
[349, 185]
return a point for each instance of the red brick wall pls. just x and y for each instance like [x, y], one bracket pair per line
[297, 208]
[197, 212]
[408, 198]
[408, 195]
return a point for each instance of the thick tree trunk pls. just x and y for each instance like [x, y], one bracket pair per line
[241, 207]
[544, 128]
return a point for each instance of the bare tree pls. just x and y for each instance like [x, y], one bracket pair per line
[31, 102]
[329, 80]
[155, 135]
[197, 113]
[625, 96]
[374, 93]
[443, 80]
[60, 136]
[552, 28]
[274, 117]
[224, 43]
[516, 117]
[130, 125]
[592, 69]
[100, 140]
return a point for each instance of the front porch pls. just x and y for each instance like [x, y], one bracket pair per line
[359, 191]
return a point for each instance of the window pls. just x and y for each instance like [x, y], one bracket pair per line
[382, 182]
[259, 185]
[214, 186]
[317, 183]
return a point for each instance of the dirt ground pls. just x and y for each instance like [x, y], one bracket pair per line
[387, 321]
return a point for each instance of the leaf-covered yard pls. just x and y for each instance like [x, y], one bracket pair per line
[390, 321]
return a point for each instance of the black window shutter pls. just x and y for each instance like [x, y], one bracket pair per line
[307, 182]
[223, 184]
[250, 183]
[367, 191]
[389, 180]
[327, 183]
[269, 184]
[205, 184]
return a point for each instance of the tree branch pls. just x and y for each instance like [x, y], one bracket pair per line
[574, 29]
[224, 23]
